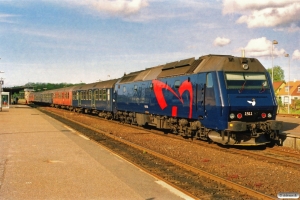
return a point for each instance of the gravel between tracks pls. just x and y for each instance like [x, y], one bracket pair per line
[265, 177]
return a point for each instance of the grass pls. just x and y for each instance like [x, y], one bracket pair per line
[284, 110]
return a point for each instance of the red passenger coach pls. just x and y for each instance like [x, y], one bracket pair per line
[31, 97]
[62, 97]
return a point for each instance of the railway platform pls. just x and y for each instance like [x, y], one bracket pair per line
[290, 131]
[40, 158]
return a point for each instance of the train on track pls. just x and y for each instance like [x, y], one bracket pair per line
[221, 98]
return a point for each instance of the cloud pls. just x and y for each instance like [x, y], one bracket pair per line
[267, 13]
[6, 18]
[296, 55]
[221, 41]
[118, 7]
[261, 47]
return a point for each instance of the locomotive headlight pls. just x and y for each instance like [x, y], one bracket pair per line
[269, 115]
[245, 66]
[232, 116]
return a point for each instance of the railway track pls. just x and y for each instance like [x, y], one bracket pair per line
[287, 159]
[197, 172]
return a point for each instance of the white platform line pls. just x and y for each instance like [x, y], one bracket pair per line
[72, 130]
[84, 137]
[174, 190]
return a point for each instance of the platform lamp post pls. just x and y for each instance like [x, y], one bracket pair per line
[273, 42]
[287, 55]
[1, 83]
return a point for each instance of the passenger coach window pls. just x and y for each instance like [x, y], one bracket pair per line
[104, 95]
[96, 94]
[124, 89]
[100, 95]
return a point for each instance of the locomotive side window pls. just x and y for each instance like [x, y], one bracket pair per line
[177, 84]
[209, 80]
[124, 89]
[135, 87]
[247, 80]
[151, 86]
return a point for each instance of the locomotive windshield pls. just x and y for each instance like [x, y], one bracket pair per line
[246, 80]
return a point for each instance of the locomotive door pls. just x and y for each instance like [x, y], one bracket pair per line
[200, 104]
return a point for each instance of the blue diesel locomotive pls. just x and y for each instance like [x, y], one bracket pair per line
[226, 99]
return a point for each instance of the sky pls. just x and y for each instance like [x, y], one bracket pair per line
[73, 41]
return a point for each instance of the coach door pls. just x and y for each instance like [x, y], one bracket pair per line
[79, 95]
[92, 96]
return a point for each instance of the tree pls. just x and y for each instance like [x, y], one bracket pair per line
[278, 73]
[49, 86]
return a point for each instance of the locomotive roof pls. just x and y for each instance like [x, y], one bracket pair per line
[193, 66]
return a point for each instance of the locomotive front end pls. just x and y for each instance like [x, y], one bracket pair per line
[251, 107]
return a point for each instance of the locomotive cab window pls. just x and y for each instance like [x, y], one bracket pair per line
[248, 80]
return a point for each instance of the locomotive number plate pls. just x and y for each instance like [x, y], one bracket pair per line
[248, 113]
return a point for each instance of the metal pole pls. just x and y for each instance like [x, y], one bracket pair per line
[272, 66]
[273, 42]
[287, 55]
[289, 89]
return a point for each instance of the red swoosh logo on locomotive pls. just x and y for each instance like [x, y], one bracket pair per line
[158, 87]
